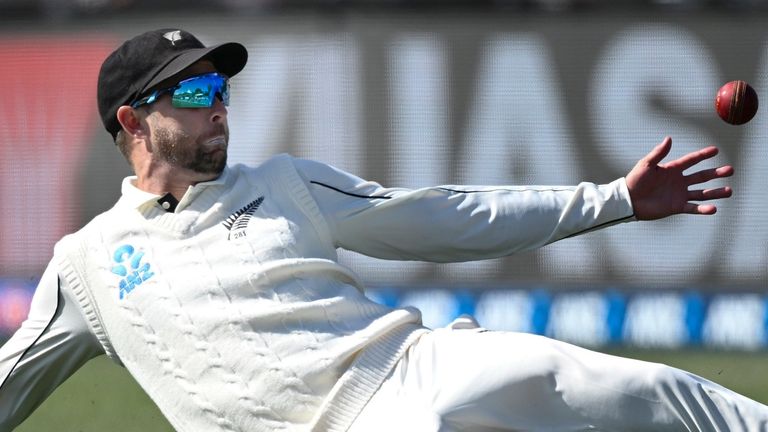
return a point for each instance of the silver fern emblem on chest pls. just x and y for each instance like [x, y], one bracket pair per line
[237, 222]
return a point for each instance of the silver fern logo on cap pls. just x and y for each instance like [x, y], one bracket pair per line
[173, 36]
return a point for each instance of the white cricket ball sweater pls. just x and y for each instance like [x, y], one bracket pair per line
[232, 312]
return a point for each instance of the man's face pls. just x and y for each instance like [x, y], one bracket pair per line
[193, 139]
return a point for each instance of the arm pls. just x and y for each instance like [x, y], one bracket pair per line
[49, 346]
[457, 223]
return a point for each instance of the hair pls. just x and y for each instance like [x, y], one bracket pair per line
[121, 141]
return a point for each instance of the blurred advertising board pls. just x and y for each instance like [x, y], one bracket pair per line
[413, 99]
[599, 318]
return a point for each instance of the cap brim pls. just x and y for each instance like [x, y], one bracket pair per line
[228, 58]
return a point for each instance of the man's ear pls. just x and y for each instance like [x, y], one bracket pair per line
[131, 122]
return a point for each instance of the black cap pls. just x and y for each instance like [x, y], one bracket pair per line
[143, 62]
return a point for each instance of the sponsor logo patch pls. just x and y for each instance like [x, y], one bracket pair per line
[131, 266]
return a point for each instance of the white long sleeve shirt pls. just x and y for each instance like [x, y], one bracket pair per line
[232, 312]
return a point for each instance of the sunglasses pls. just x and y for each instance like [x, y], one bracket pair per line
[195, 92]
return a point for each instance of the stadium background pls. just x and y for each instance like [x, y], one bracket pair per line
[417, 93]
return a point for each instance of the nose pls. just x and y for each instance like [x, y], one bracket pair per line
[218, 111]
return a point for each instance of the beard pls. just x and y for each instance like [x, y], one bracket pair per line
[181, 150]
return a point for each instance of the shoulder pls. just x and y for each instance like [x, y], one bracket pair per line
[90, 230]
[247, 170]
[280, 161]
[273, 163]
[290, 171]
[282, 167]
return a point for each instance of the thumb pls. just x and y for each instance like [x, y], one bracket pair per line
[659, 152]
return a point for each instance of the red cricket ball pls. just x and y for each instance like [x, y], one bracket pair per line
[736, 102]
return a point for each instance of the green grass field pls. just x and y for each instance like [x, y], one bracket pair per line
[103, 397]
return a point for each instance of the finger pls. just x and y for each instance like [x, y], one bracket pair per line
[659, 152]
[694, 158]
[709, 194]
[700, 209]
[709, 174]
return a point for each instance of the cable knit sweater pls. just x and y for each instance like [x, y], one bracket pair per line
[232, 312]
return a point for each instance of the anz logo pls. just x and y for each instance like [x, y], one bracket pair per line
[237, 222]
[131, 267]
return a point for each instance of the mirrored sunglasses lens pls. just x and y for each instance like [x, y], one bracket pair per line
[225, 93]
[198, 92]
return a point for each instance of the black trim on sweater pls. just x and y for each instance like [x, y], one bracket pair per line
[596, 227]
[348, 193]
[47, 326]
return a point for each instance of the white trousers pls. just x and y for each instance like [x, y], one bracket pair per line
[482, 381]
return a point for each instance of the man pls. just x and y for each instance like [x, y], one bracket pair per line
[219, 290]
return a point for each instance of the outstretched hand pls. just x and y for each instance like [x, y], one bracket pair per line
[660, 190]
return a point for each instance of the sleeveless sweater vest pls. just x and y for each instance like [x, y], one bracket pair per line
[233, 314]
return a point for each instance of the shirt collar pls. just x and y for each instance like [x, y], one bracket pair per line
[136, 198]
